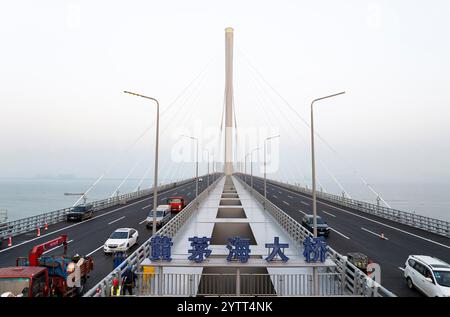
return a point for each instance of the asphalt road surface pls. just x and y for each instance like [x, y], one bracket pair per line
[88, 237]
[355, 231]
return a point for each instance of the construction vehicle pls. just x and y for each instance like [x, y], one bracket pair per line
[176, 203]
[40, 275]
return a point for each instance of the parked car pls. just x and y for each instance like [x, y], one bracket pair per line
[428, 275]
[322, 226]
[163, 213]
[80, 213]
[121, 240]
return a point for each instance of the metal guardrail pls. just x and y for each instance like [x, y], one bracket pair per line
[353, 279]
[433, 225]
[170, 229]
[186, 285]
[24, 225]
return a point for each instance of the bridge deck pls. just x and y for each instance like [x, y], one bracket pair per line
[354, 230]
[88, 237]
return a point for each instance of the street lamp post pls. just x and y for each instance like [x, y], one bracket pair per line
[207, 151]
[251, 167]
[265, 176]
[313, 163]
[196, 164]
[155, 180]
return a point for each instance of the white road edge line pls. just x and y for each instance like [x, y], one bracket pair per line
[339, 233]
[334, 216]
[56, 247]
[109, 223]
[79, 223]
[374, 233]
[380, 223]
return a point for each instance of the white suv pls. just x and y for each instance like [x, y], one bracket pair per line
[429, 275]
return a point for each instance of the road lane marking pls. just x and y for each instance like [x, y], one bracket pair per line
[89, 254]
[375, 234]
[302, 212]
[329, 214]
[274, 196]
[145, 207]
[142, 221]
[286, 203]
[109, 223]
[82, 222]
[50, 250]
[189, 194]
[290, 197]
[339, 233]
[304, 203]
[375, 221]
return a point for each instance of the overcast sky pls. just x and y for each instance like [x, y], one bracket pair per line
[64, 65]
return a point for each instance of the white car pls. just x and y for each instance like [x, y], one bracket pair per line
[429, 275]
[121, 240]
[163, 214]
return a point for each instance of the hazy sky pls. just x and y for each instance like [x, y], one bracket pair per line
[64, 65]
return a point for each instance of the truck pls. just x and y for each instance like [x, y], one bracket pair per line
[39, 275]
[176, 203]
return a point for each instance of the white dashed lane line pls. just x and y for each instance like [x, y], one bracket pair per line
[286, 203]
[339, 233]
[118, 219]
[328, 214]
[375, 234]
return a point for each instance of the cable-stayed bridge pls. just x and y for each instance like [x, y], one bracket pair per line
[235, 202]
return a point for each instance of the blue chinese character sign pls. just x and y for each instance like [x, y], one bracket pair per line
[161, 248]
[199, 249]
[277, 250]
[315, 249]
[239, 249]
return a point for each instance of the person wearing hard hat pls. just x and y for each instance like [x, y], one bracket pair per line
[115, 288]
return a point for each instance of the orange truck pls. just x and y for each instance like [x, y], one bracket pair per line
[42, 276]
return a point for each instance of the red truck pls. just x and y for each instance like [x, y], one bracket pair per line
[176, 203]
[42, 276]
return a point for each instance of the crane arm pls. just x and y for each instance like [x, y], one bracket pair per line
[38, 250]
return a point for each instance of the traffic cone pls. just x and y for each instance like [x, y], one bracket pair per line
[9, 242]
[46, 226]
[38, 232]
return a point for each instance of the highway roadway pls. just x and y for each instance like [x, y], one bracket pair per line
[355, 231]
[88, 237]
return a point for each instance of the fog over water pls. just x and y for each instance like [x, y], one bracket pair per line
[65, 121]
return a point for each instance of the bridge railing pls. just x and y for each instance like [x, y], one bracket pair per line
[170, 229]
[244, 284]
[353, 279]
[24, 225]
[433, 225]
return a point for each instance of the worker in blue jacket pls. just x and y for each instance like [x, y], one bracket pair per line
[129, 280]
